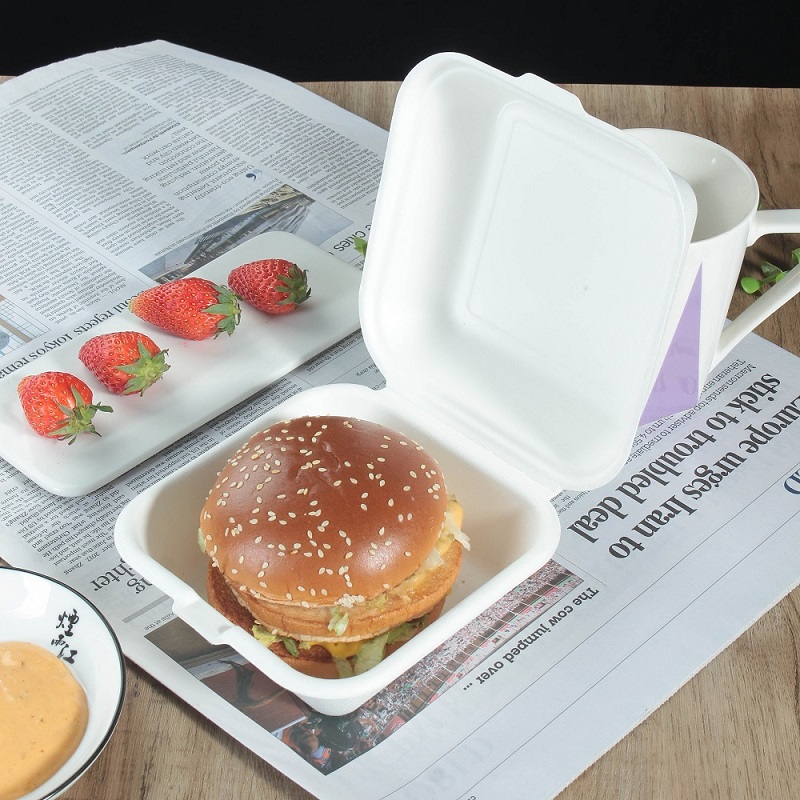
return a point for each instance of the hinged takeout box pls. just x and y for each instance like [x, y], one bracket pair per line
[522, 268]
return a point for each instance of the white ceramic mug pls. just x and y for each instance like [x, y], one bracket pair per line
[728, 221]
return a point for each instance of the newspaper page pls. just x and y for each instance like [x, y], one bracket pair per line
[655, 573]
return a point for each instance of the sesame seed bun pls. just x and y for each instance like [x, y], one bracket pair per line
[323, 516]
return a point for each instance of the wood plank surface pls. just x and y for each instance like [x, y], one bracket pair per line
[733, 731]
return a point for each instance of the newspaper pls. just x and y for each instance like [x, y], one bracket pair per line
[117, 161]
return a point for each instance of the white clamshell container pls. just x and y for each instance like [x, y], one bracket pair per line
[523, 270]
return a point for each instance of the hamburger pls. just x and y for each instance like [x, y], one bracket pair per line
[332, 540]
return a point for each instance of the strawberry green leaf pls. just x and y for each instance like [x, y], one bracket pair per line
[77, 419]
[227, 306]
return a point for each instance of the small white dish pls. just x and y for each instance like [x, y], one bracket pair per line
[45, 612]
[205, 378]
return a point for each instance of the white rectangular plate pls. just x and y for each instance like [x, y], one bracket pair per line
[205, 378]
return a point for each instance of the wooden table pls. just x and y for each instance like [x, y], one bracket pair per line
[734, 730]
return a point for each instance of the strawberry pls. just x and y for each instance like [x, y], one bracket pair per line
[273, 285]
[126, 362]
[58, 404]
[193, 308]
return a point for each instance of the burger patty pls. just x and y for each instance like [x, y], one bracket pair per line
[223, 598]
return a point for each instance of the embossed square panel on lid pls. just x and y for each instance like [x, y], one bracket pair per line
[521, 267]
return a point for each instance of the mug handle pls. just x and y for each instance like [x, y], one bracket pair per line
[782, 220]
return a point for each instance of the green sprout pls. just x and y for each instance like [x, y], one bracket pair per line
[771, 273]
[360, 245]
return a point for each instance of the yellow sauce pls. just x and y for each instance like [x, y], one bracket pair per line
[43, 715]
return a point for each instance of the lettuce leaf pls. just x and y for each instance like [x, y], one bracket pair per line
[339, 621]
[266, 638]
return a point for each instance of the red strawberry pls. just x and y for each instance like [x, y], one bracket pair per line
[125, 363]
[58, 404]
[194, 308]
[273, 285]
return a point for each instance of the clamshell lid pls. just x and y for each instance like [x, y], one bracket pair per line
[522, 263]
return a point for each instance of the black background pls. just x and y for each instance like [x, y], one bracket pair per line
[655, 41]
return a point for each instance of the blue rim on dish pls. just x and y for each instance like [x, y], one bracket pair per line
[92, 757]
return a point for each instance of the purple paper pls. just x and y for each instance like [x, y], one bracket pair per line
[677, 387]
